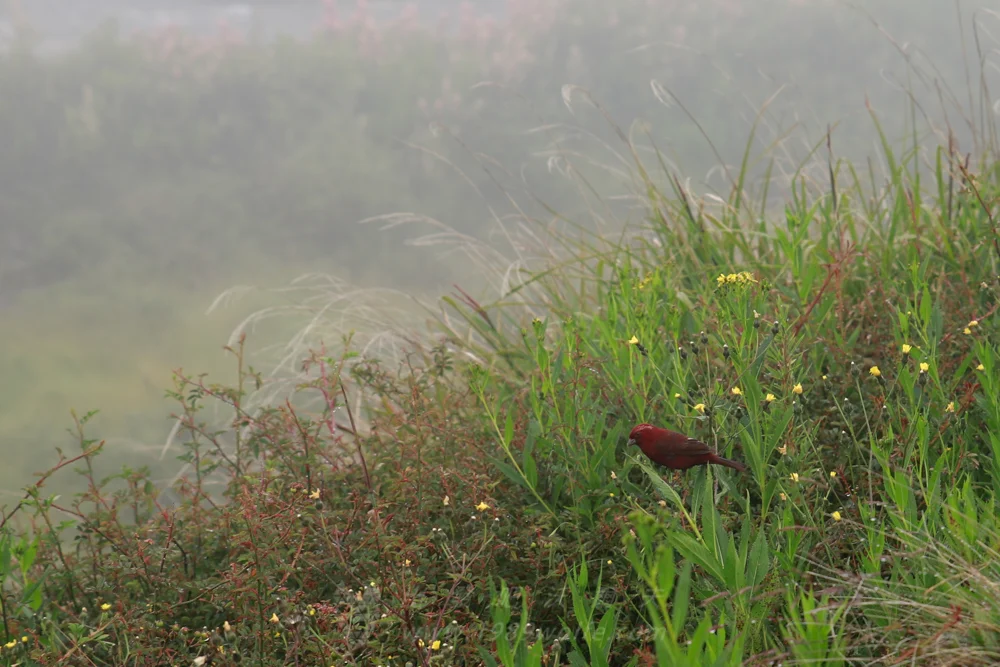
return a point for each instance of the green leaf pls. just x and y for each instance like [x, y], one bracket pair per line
[925, 307]
[32, 595]
[28, 552]
[530, 470]
[682, 597]
[604, 638]
[531, 437]
[511, 473]
[760, 560]
[695, 551]
[4, 556]
[535, 654]
[664, 490]
[761, 355]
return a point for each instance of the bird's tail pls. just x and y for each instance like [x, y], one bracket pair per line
[735, 465]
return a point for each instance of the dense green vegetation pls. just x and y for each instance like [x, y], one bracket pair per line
[468, 497]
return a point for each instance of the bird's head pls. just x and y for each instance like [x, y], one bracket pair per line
[640, 433]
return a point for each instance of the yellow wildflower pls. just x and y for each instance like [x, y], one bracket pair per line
[275, 619]
[446, 501]
[105, 606]
[906, 348]
[783, 496]
[769, 398]
[836, 516]
[783, 450]
[633, 341]
[741, 278]
[980, 367]
[482, 506]
[436, 645]
[924, 366]
[315, 494]
[967, 331]
[874, 372]
[833, 473]
[794, 477]
[973, 323]
[737, 391]
[951, 407]
[797, 389]
[700, 408]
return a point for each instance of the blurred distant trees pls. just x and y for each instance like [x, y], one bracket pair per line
[170, 155]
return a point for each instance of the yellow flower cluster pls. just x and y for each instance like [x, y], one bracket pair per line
[742, 278]
[13, 642]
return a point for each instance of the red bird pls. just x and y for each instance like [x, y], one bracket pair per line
[676, 450]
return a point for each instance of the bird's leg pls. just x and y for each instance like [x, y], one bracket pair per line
[678, 479]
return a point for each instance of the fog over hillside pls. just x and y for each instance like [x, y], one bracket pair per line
[61, 24]
[156, 154]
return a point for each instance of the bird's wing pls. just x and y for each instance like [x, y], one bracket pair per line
[690, 447]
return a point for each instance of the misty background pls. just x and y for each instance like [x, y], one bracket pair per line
[156, 154]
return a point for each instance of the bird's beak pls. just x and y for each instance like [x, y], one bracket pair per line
[631, 441]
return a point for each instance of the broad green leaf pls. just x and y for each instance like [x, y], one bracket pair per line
[760, 560]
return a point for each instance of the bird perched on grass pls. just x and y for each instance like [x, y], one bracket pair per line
[676, 450]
